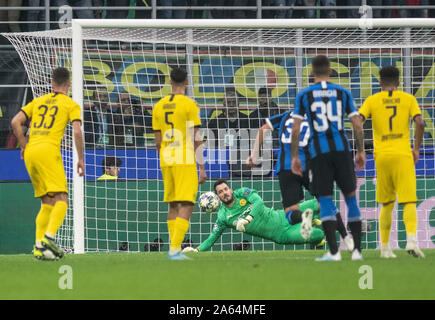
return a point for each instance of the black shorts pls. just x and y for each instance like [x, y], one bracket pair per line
[327, 168]
[291, 187]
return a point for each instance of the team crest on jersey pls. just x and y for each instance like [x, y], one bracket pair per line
[242, 202]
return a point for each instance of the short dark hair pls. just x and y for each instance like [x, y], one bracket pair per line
[264, 90]
[60, 76]
[320, 65]
[178, 75]
[111, 161]
[389, 75]
[219, 182]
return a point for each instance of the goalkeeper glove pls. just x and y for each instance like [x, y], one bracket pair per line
[242, 222]
[189, 249]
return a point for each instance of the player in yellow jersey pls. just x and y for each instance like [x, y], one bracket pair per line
[176, 123]
[391, 111]
[49, 116]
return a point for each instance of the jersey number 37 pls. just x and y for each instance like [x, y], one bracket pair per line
[286, 136]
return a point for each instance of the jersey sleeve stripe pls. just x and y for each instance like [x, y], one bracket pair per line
[355, 113]
[269, 124]
[298, 116]
[27, 117]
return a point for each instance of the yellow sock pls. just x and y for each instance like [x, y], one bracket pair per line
[410, 218]
[171, 226]
[385, 219]
[56, 218]
[42, 220]
[180, 228]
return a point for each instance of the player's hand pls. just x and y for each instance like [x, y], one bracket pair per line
[22, 152]
[81, 168]
[360, 160]
[242, 222]
[415, 155]
[297, 166]
[202, 176]
[251, 161]
[189, 249]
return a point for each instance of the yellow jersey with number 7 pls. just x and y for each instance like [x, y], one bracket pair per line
[391, 113]
[50, 114]
[175, 116]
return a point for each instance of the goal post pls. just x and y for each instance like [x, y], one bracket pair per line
[228, 61]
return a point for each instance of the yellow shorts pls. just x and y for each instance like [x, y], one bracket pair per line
[45, 167]
[395, 176]
[180, 183]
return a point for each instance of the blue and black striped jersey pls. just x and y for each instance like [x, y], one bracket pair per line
[284, 123]
[324, 105]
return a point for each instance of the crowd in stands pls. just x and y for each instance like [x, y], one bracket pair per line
[126, 124]
[24, 20]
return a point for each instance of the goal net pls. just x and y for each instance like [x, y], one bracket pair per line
[240, 73]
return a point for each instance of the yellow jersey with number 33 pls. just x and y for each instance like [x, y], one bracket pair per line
[50, 114]
[391, 113]
[175, 116]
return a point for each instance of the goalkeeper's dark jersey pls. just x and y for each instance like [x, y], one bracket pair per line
[267, 223]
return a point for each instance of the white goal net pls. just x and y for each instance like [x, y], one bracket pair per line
[240, 73]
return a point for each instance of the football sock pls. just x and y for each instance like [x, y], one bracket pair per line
[56, 218]
[171, 225]
[330, 227]
[294, 217]
[355, 229]
[340, 225]
[410, 218]
[180, 228]
[385, 219]
[41, 221]
[354, 213]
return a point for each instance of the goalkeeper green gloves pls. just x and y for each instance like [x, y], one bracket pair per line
[242, 222]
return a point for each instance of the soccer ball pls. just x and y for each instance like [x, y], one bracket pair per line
[209, 202]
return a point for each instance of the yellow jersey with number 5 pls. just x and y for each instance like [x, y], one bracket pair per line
[175, 116]
[391, 113]
[49, 116]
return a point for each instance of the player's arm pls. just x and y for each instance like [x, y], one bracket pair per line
[158, 139]
[199, 154]
[295, 137]
[257, 208]
[78, 140]
[419, 132]
[253, 158]
[17, 123]
[217, 231]
[360, 157]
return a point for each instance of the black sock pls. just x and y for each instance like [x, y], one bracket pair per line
[295, 217]
[330, 227]
[355, 229]
[340, 225]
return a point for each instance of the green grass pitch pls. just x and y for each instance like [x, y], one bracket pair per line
[249, 275]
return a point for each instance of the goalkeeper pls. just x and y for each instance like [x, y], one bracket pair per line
[244, 210]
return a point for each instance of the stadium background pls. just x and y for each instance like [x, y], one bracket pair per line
[17, 228]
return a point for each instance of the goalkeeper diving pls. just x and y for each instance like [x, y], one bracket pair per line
[244, 210]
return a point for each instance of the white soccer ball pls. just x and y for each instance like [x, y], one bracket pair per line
[209, 202]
